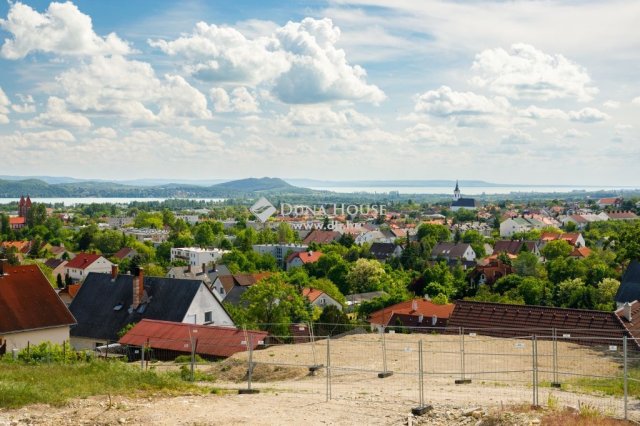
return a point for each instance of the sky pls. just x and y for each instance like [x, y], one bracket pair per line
[530, 92]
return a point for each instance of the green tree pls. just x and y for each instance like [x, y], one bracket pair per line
[203, 234]
[108, 241]
[365, 275]
[555, 249]
[526, 264]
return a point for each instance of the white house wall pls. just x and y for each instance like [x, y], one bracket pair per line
[203, 302]
[20, 340]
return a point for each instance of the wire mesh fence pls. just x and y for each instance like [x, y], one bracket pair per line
[411, 367]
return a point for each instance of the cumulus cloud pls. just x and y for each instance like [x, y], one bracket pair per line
[299, 61]
[466, 108]
[240, 100]
[62, 29]
[115, 85]
[525, 72]
[575, 133]
[536, 113]
[425, 134]
[27, 104]
[38, 141]
[611, 104]
[588, 115]
[636, 100]
[57, 114]
[105, 133]
[517, 137]
[4, 107]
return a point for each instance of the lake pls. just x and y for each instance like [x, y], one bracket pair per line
[467, 190]
[72, 201]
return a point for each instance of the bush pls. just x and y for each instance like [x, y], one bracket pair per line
[51, 352]
[185, 359]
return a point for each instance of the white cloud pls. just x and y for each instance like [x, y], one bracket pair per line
[38, 141]
[27, 106]
[517, 137]
[240, 100]
[62, 29]
[588, 115]
[425, 134]
[575, 133]
[57, 115]
[105, 132]
[636, 100]
[131, 89]
[4, 107]
[299, 61]
[525, 72]
[535, 112]
[466, 108]
[611, 104]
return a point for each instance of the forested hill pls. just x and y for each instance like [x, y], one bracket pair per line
[237, 188]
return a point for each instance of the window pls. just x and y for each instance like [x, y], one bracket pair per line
[208, 317]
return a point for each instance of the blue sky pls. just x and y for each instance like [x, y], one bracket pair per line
[538, 92]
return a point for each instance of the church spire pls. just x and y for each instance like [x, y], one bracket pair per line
[456, 192]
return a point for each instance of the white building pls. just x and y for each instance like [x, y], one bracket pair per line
[80, 266]
[196, 256]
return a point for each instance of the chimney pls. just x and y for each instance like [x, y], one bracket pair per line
[138, 288]
[204, 268]
[189, 268]
[3, 266]
[626, 311]
[114, 272]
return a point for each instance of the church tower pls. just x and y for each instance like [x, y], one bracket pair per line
[456, 192]
[24, 206]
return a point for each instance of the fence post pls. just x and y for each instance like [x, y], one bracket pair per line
[312, 336]
[385, 372]
[328, 397]
[193, 359]
[556, 381]
[462, 379]
[249, 390]
[626, 376]
[64, 351]
[422, 408]
[534, 369]
[142, 357]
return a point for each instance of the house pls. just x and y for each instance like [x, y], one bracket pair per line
[622, 215]
[373, 236]
[574, 239]
[453, 251]
[320, 236]
[412, 313]
[106, 303]
[60, 252]
[507, 320]
[385, 251]
[629, 289]
[609, 202]
[196, 256]
[462, 203]
[580, 252]
[230, 288]
[118, 222]
[68, 293]
[490, 272]
[57, 267]
[84, 263]
[319, 298]
[19, 248]
[301, 258]
[17, 222]
[30, 310]
[125, 253]
[204, 274]
[357, 298]
[519, 224]
[514, 247]
[155, 236]
[171, 339]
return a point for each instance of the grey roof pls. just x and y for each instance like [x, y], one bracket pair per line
[234, 297]
[629, 289]
[382, 251]
[360, 297]
[464, 202]
[449, 250]
[514, 246]
[94, 304]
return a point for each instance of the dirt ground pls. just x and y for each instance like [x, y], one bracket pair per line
[500, 370]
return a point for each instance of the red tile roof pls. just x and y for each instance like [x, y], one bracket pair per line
[581, 252]
[312, 293]
[321, 237]
[17, 220]
[505, 320]
[82, 260]
[305, 256]
[209, 340]
[423, 307]
[622, 215]
[123, 252]
[28, 302]
[21, 246]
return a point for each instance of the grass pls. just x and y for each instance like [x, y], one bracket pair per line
[607, 386]
[55, 384]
